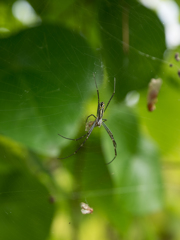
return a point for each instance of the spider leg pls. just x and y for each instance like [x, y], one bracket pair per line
[112, 95]
[82, 144]
[112, 138]
[97, 91]
[104, 120]
[76, 139]
[90, 116]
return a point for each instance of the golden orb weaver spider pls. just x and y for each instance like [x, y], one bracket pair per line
[96, 123]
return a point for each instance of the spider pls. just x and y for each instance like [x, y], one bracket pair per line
[99, 120]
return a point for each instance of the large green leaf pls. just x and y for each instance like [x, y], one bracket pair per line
[130, 185]
[133, 40]
[25, 210]
[136, 170]
[46, 75]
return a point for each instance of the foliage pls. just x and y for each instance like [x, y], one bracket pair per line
[47, 87]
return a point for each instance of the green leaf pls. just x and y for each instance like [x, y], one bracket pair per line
[133, 40]
[142, 182]
[170, 68]
[123, 124]
[46, 75]
[136, 170]
[163, 123]
[131, 185]
[51, 10]
[25, 212]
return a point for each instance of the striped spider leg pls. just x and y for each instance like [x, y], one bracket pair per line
[99, 120]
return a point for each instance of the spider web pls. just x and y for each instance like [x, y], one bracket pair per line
[47, 87]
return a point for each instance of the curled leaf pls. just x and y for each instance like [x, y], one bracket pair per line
[153, 91]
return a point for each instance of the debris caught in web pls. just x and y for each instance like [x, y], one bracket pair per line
[85, 209]
[153, 91]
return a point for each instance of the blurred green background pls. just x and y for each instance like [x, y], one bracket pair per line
[49, 51]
